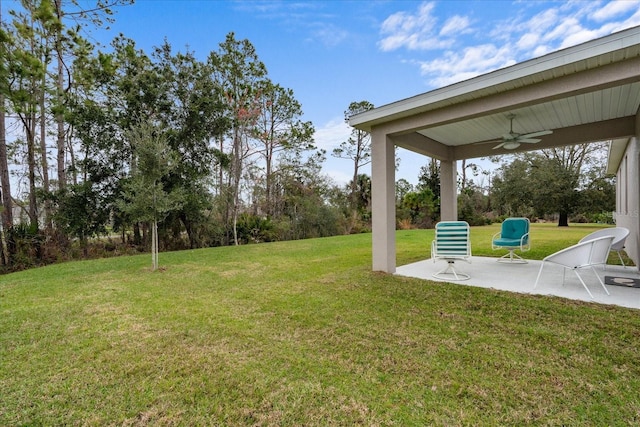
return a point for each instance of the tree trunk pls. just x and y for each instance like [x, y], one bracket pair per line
[189, 229]
[7, 204]
[31, 164]
[563, 219]
[154, 245]
[237, 175]
[268, 182]
[44, 163]
[62, 178]
[137, 236]
[353, 198]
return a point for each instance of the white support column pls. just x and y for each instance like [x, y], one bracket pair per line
[383, 202]
[448, 190]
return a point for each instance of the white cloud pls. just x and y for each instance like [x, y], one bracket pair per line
[405, 22]
[329, 34]
[614, 9]
[632, 21]
[413, 31]
[332, 134]
[565, 29]
[455, 25]
[541, 50]
[528, 41]
[473, 61]
[581, 35]
[543, 21]
[527, 30]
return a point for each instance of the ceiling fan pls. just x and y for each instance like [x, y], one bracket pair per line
[513, 139]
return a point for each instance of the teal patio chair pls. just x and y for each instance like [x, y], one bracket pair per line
[452, 243]
[514, 234]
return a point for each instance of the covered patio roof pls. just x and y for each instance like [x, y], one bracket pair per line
[585, 93]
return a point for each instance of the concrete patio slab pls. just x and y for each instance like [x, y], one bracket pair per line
[486, 272]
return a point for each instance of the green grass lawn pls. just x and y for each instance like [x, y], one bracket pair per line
[304, 333]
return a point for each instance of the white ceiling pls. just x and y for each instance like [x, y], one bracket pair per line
[611, 103]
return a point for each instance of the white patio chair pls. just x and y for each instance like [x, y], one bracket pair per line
[582, 255]
[452, 243]
[619, 237]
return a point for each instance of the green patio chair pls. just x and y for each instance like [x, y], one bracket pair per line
[514, 234]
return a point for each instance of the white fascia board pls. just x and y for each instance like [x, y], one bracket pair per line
[617, 148]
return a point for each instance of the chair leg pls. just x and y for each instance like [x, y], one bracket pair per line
[451, 270]
[621, 260]
[539, 273]
[600, 280]
[512, 257]
[583, 284]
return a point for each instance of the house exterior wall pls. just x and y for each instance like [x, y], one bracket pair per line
[628, 195]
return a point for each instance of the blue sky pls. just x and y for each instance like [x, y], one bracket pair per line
[331, 53]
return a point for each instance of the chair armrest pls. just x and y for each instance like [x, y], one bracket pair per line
[493, 239]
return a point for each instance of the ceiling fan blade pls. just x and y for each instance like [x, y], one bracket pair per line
[528, 140]
[533, 134]
[489, 141]
[498, 146]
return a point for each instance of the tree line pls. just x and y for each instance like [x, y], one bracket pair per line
[161, 150]
[560, 184]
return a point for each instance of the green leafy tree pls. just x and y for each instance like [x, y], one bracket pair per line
[471, 205]
[145, 196]
[356, 148]
[278, 128]
[419, 206]
[304, 209]
[429, 178]
[26, 71]
[81, 212]
[546, 182]
[363, 196]
[5, 198]
[66, 41]
[113, 91]
[555, 188]
[513, 189]
[402, 188]
[238, 73]
[192, 110]
[598, 196]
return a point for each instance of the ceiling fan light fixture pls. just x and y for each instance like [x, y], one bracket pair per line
[511, 145]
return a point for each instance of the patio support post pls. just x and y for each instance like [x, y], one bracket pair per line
[383, 202]
[448, 190]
